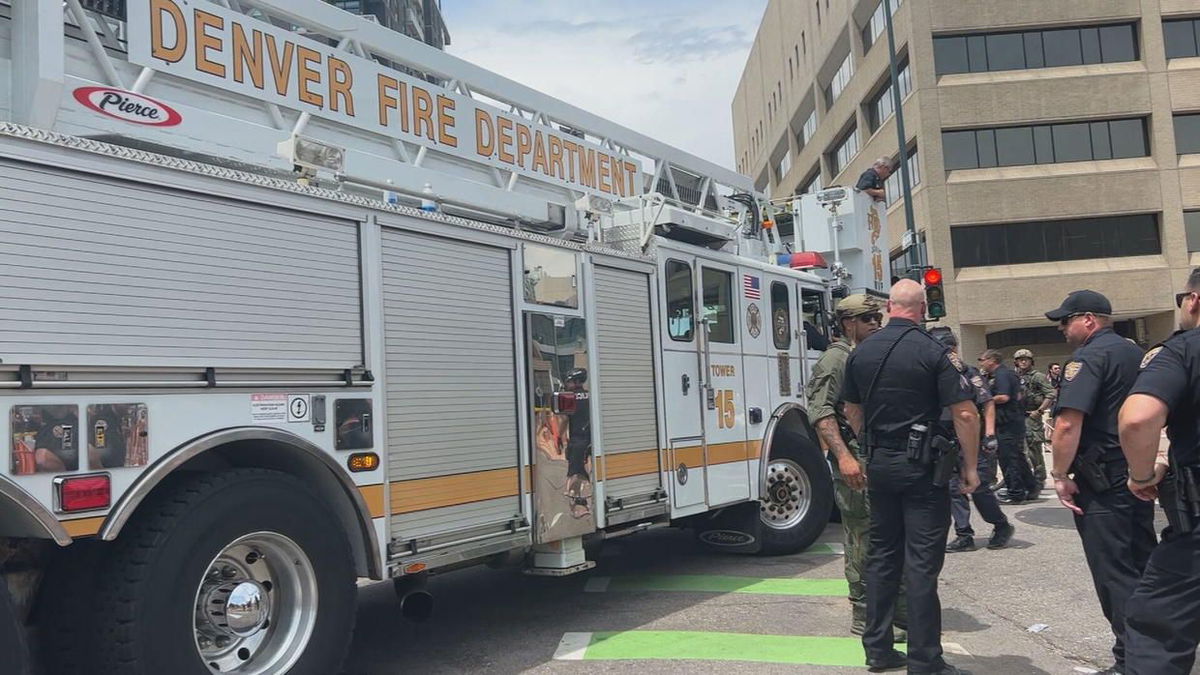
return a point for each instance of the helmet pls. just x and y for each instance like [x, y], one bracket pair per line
[944, 335]
[856, 305]
[1023, 354]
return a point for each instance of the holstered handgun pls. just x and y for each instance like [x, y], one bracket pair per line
[946, 461]
[1089, 471]
[1179, 494]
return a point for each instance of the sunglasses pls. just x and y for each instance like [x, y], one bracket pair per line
[874, 317]
[1067, 319]
[1180, 297]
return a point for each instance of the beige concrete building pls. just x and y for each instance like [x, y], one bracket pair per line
[1054, 145]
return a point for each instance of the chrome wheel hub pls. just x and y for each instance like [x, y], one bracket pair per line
[256, 606]
[788, 495]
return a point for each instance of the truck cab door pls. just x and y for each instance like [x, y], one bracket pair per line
[722, 290]
[683, 390]
[815, 331]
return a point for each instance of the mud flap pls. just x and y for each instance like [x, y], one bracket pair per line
[736, 529]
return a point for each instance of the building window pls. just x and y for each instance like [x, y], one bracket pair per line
[840, 79]
[1035, 49]
[892, 185]
[813, 184]
[1191, 225]
[1046, 335]
[1046, 144]
[1182, 38]
[1187, 134]
[784, 166]
[1054, 240]
[808, 130]
[877, 25]
[818, 4]
[881, 107]
[843, 151]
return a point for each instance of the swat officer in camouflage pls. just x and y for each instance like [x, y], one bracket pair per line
[856, 317]
[1037, 395]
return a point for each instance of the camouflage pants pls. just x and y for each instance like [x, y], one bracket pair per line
[855, 507]
[1035, 438]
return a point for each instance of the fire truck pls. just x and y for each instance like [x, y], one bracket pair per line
[290, 300]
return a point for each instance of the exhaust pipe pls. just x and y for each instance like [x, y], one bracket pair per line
[416, 603]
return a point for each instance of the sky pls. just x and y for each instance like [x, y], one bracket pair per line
[665, 68]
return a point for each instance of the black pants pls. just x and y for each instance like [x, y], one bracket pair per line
[1163, 614]
[1117, 530]
[909, 521]
[985, 500]
[1018, 476]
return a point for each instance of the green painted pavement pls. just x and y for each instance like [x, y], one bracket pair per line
[727, 584]
[666, 644]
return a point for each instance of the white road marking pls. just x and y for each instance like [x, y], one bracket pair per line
[955, 648]
[597, 585]
[572, 646]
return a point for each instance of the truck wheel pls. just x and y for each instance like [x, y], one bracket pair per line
[245, 571]
[12, 635]
[797, 498]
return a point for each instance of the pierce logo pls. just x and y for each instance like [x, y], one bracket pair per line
[726, 538]
[128, 106]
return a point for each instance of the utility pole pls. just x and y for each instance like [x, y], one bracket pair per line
[914, 251]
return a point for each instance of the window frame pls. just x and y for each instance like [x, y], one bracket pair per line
[728, 276]
[787, 308]
[1193, 118]
[691, 334]
[1193, 24]
[1091, 238]
[1052, 139]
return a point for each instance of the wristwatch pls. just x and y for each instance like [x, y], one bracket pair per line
[1058, 475]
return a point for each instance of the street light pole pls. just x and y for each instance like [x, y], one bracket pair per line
[914, 252]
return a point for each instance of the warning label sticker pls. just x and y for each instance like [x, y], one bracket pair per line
[268, 408]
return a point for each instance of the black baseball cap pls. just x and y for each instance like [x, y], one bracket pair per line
[1081, 302]
[944, 335]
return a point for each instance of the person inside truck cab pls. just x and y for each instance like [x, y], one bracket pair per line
[873, 179]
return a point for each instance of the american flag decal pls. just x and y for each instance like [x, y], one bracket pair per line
[751, 288]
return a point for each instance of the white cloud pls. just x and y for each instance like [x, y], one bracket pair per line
[665, 68]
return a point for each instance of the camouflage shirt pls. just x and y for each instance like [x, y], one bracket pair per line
[1035, 388]
[825, 389]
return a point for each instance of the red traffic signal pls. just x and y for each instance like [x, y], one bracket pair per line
[935, 295]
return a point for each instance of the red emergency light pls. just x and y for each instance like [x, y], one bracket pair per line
[84, 493]
[807, 260]
[933, 277]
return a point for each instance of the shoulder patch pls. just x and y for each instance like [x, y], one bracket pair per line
[1072, 370]
[1150, 356]
[956, 361]
[977, 381]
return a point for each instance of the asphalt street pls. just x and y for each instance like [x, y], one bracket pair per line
[661, 602]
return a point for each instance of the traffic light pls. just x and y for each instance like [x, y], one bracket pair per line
[935, 295]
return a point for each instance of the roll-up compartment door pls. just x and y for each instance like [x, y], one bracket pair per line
[625, 360]
[103, 272]
[453, 448]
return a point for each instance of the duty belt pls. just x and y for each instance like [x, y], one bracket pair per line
[1180, 497]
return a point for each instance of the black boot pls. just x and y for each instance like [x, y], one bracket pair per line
[960, 544]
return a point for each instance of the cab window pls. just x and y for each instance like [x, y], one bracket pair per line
[718, 304]
[781, 316]
[815, 312]
[550, 277]
[681, 306]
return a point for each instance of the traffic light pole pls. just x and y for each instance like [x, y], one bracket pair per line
[914, 251]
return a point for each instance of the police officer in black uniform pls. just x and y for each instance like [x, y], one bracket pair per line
[897, 382]
[1010, 429]
[1163, 614]
[985, 500]
[1089, 470]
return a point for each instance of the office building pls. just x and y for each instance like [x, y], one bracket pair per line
[1053, 145]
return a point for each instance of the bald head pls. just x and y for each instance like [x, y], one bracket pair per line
[907, 300]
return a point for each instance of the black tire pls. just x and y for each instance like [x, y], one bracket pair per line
[62, 613]
[12, 636]
[803, 454]
[149, 589]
